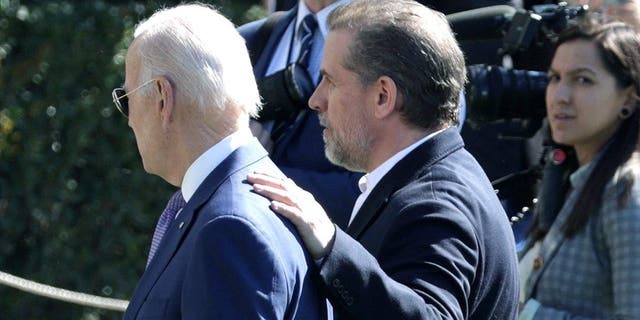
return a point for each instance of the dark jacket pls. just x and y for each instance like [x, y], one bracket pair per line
[430, 242]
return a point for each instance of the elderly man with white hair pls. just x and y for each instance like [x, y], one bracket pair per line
[217, 251]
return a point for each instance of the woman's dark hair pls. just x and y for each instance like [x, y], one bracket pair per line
[618, 46]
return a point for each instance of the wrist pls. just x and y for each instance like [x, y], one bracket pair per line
[326, 242]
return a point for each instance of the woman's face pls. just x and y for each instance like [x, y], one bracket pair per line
[583, 99]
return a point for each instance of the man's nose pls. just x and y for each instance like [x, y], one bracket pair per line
[317, 100]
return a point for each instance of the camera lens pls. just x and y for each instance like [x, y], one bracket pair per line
[495, 92]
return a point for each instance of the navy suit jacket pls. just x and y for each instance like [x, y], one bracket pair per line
[299, 153]
[430, 242]
[228, 256]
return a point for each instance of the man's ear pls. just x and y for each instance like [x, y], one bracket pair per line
[386, 97]
[166, 100]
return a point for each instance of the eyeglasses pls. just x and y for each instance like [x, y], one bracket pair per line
[120, 98]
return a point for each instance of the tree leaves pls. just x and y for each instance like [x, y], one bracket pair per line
[77, 209]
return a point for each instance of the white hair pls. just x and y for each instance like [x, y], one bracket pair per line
[202, 54]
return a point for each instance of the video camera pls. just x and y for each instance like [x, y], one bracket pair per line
[487, 36]
[285, 92]
[526, 39]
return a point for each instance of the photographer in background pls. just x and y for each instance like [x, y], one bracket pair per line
[582, 255]
[285, 49]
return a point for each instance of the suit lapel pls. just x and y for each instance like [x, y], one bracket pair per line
[263, 62]
[261, 67]
[401, 174]
[554, 238]
[239, 159]
[550, 244]
[546, 254]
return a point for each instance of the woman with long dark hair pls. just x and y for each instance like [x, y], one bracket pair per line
[583, 260]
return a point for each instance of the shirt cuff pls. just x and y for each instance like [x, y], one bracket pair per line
[529, 310]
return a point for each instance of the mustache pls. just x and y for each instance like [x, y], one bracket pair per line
[323, 121]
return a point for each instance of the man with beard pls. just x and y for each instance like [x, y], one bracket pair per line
[427, 238]
[294, 138]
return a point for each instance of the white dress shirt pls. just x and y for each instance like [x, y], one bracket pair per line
[369, 181]
[210, 159]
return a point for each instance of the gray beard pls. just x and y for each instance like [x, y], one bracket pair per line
[340, 156]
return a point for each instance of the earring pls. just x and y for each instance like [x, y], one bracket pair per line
[624, 113]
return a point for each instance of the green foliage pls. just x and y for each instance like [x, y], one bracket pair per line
[77, 209]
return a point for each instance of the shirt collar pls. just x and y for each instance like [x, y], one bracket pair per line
[210, 159]
[580, 176]
[371, 179]
[362, 183]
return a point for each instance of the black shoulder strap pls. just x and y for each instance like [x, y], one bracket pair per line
[262, 36]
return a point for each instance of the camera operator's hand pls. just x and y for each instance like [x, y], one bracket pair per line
[264, 136]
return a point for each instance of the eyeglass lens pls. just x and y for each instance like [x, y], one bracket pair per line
[121, 101]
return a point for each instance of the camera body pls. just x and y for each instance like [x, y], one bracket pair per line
[524, 38]
[285, 93]
[486, 35]
[508, 52]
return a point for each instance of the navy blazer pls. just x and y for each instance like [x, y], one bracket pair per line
[228, 256]
[430, 242]
[300, 151]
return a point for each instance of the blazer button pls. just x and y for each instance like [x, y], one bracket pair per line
[537, 262]
[349, 301]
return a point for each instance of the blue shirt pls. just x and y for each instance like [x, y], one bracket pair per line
[289, 46]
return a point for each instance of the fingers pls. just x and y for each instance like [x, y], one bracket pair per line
[274, 192]
[281, 192]
[290, 212]
[300, 207]
[278, 189]
[265, 179]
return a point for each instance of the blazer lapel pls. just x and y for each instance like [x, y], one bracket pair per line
[402, 173]
[263, 62]
[550, 245]
[239, 159]
[555, 237]
[261, 67]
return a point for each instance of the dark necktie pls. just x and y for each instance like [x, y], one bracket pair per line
[175, 204]
[307, 29]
